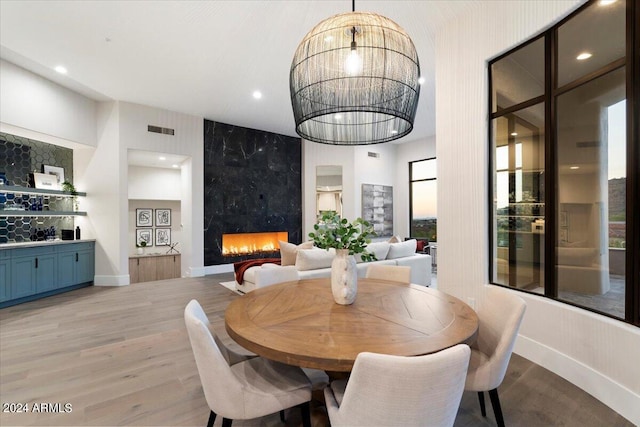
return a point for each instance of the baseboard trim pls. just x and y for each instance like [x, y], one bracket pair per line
[196, 271]
[103, 280]
[218, 269]
[614, 395]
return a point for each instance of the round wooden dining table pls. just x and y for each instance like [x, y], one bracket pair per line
[298, 323]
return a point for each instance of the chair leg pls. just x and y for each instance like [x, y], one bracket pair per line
[212, 419]
[226, 422]
[306, 414]
[483, 410]
[495, 403]
[282, 416]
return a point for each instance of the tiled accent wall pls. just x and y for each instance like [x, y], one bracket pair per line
[18, 157]
[252, 183]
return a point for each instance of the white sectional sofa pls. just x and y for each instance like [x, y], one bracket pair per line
[310, 263]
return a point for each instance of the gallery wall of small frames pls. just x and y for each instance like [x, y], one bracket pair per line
[153, 227]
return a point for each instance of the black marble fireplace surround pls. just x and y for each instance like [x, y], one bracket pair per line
[252, 183]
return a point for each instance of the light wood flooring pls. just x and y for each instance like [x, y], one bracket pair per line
[121, 356]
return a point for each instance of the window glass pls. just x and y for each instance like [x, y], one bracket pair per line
[591, 40]
[424, 200]
[423, 169]
[591, 198]
[518, 250]
[519, 76]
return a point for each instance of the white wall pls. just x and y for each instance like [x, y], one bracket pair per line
[101, 134]
[405, 153]
[35, 104]
[189, 141]
[148, 183]
[594, 352]
[313, 155]
[176, 220]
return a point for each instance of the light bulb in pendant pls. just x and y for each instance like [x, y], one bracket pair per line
[353, 64]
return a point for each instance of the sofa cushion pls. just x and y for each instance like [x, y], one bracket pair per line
[311, 259]
[288, 251]
[395, 239]
[402, 249]
[379, 249]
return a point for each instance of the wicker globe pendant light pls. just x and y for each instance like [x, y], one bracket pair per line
[354, 81]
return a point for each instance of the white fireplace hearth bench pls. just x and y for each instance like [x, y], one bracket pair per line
[308, 262]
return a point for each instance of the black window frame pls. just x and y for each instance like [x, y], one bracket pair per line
[632, 63]
[411, 181]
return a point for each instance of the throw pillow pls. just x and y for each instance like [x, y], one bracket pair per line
[379, 249]
[288, 251]
[315, 258]
[395, 239]
[402, 249]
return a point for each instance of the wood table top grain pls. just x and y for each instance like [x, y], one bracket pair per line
[298, 323]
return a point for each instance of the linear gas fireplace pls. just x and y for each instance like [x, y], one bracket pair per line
[264, 243]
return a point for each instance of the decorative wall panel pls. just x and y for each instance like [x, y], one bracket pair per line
[18, 158]
[377, 208]
[252, 183]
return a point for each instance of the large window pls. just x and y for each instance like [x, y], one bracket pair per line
[423, 200]
[562, 198]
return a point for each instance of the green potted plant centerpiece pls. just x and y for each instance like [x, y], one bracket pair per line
[348, 239]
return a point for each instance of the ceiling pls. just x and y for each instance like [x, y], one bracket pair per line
[204, 58]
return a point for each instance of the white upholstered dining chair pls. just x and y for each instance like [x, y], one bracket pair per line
[500, 316]
[395, 273]
[251, 388]
[385, 390]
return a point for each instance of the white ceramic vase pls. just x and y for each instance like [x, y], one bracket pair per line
[344, 277]
[140, 250]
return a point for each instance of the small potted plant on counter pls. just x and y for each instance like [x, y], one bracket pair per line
[141, 245]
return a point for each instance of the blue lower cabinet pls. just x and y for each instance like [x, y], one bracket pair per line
[35, 272]
[66, 269]
[46, 272]
[85, 266]
[5, 280]
[23, 276]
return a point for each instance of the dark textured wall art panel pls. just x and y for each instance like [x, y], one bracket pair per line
[252, 183]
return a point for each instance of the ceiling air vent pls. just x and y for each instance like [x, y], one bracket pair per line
[373, 154]
[158, 129]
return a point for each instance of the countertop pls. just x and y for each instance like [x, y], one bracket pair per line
[41, 243]
[152, 255]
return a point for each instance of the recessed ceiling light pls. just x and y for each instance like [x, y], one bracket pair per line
[61, 69]
[421, 80]
[257, 94]
[175, 166]
[338, 116]
[514, 133]
[574, 167]
[583, 56]
[162, 158]
[606, 2]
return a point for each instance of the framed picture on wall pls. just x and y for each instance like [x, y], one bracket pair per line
[144, 217]
[144, 235]
[57, 172]
[45, 181]
[163, 236]
[163, 217]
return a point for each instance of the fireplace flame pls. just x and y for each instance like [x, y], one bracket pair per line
[252, 243]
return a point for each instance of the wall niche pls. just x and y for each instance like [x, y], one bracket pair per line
[252, 183]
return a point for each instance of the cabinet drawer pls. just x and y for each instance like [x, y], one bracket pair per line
[33, 251]
[75, 247]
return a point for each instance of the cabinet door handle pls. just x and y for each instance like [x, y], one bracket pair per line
[138, 261]
[76, 256]
[36, 262]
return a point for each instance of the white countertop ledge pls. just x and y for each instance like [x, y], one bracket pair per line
[41, 243]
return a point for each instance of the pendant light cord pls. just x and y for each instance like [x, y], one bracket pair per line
[353, 5]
